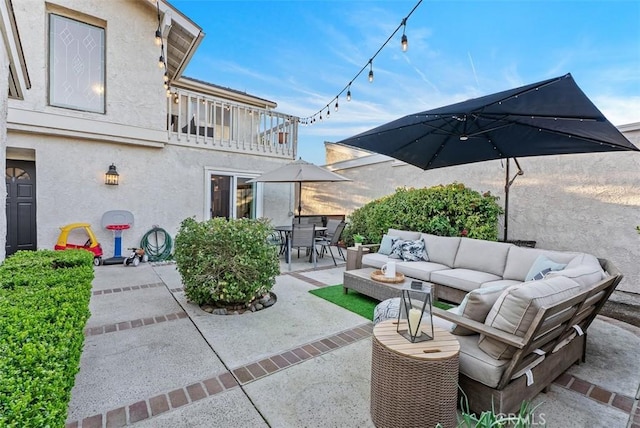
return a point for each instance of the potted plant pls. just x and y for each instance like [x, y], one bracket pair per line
[358, 240]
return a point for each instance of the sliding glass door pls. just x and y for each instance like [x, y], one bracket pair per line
[231, 196]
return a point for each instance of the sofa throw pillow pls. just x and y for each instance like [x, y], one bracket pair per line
[542, 266]
[413, 251]
[476, 306]
[396, 249]
[386, 244]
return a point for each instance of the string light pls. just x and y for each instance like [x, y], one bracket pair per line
[404, 43]
[161, 61]
[158, 37]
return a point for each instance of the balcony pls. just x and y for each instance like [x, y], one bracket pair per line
[208, 122]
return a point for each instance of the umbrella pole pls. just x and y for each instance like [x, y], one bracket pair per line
[508, 182]
[299, 200]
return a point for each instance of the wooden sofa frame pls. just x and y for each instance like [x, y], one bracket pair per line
[550, 327]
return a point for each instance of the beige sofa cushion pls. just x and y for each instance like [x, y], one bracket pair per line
[483, 256]
[520, 260]
[405, 235]
[584, 269]
[515, 309]
[375, 260]
[476, 306]
[462, 279]
[419, 270]
[441, 249]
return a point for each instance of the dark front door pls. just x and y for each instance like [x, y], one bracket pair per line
[21, 206]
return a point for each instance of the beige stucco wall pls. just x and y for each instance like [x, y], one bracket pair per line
[159, 186]
[134, 81]
[585, 202]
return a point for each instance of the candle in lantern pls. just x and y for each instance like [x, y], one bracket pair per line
[414, 321]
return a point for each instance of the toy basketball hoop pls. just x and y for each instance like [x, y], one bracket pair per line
[117, 221]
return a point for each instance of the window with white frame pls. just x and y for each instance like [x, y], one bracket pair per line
[76, 64]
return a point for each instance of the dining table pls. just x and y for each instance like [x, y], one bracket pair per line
[285, 232]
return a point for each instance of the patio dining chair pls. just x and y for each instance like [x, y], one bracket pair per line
[303, 236]
[327, 242]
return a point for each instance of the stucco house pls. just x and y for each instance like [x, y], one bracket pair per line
[105, 92]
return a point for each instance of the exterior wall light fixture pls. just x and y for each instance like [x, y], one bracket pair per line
[111, 177]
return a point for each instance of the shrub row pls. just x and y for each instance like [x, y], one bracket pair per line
[44, 305]
[225, 261]
[444, 210]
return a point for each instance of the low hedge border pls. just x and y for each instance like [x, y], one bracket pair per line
[44, 305]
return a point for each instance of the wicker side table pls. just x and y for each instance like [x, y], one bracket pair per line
[413, 384]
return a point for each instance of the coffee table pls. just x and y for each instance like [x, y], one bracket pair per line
[413, 384]
[360, 281]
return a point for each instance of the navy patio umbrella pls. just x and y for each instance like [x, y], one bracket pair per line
[551, 117]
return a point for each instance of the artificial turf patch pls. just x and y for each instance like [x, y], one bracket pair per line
[354, 301]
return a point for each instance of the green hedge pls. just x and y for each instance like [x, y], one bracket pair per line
[226, 261]
[44, 305]
[444, 210]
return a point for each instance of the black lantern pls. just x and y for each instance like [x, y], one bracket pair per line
[111, 177]
[415, 304]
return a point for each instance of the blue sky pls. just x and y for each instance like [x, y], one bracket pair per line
[301, 54]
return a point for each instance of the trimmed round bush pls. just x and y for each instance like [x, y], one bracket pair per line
[444, 210]
[225, 262]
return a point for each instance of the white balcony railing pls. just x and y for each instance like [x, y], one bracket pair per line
[205, 121]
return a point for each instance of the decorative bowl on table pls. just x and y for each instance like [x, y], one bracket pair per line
[378, 275]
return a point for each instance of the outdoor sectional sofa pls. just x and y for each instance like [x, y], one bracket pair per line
[516, 335]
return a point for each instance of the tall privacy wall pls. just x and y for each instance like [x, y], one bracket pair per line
[584, 202]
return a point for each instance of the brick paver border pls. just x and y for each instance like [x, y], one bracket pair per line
[140, 322]
[253, 371]
[130, 288]
[183, 396]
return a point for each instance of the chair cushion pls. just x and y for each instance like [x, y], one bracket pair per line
[386, 244]
[419, 270]
[585, 269]
[476, 306]
[462, 279]
[542, 266]
[483, 256]
[405, 235]
[517, 306]
[441, 249]
[474, 363]
[520, 260]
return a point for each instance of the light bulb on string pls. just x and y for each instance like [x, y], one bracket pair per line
[161, 61]
[166, 77]
[336, 106]
[158, 38]
[404, 41]
[370, 70]
[349, 92]
[328, 112]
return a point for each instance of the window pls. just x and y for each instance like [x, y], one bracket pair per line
[76, 64]
[232, 197]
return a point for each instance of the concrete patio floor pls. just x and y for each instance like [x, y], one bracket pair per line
[152, 359]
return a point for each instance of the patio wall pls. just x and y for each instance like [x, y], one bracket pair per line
[585, 202]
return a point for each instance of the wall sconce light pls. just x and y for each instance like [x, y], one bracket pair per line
[111, 177]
